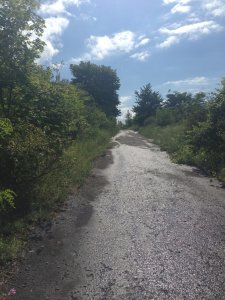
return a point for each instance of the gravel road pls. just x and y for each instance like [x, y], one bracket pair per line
[140, 228]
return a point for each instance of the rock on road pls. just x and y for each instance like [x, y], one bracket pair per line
[141, 227]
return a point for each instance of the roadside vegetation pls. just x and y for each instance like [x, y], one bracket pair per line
[50, 129]
[190, 127]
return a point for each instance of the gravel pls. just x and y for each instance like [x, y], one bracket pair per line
[141, 227]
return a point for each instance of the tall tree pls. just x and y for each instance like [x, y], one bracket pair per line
[186, 106]
[101, 82]
[20, 31]
[147, 102]
[177, 99]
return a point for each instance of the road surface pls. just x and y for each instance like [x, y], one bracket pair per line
[140, 228]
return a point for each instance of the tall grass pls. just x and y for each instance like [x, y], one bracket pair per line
[169, 137]
[172, 138]
[71, 170]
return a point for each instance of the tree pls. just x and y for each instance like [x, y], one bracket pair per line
[176, 99]
[147, 103]
[101, 82]
[186, 106]
[128, 119]
[207, 138]
[20, 31]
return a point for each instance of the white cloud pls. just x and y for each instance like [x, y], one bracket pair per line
[192, 85]
[215, 7]
[178, 8]
[124, 99]
[54, 29]
[126, 103]
[104, 46]
[190, 81]
[57, 7]
[141, 56]
[171, 40]
[190, 31]
[205, 27]
[56, 22]
[143, 41]
[195, 25]
[180, 2]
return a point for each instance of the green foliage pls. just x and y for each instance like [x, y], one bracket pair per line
[101, 82]
[50, 130]
[192, 129]
[9, 249]
[177, 100]
[184, 154]
[208, 138]
[18, 23]
[6, 200]
[185, 106]
[128, 119]
[20, 33]
[196, 110]
[168, 137]
[165, 117]
[222, 175]
[147, 103]
[70, 170]
[55, 115]
[5, 129]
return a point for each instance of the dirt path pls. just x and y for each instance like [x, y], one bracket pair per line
[140, 228]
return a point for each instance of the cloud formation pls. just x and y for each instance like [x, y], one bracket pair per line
[54, 29]
[194, 29]
[141, 56]
[190, 81]
[180, 6]
[189, 31]
[119, 43]
[214, 7]
[126, 103]
[171, 40]
[59, 6]
[181, 2]
[124, 99]
[192, 84]
[56, 21]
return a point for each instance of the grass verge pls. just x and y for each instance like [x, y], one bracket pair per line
[169, 137]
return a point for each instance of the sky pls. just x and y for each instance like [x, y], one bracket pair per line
[171, 44]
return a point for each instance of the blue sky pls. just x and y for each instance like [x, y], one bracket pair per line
[173, 44]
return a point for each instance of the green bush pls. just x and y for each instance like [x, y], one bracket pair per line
[184, 155]
[165, 117]
[199, 139]
[168, 137]
[222, 175]
[69, 171]
[9, 249]
[6, 200]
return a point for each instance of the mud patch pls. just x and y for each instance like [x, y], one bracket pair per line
[195, 172]
[133, 139]
[84, 215]
[104, 160]
[164, 175]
